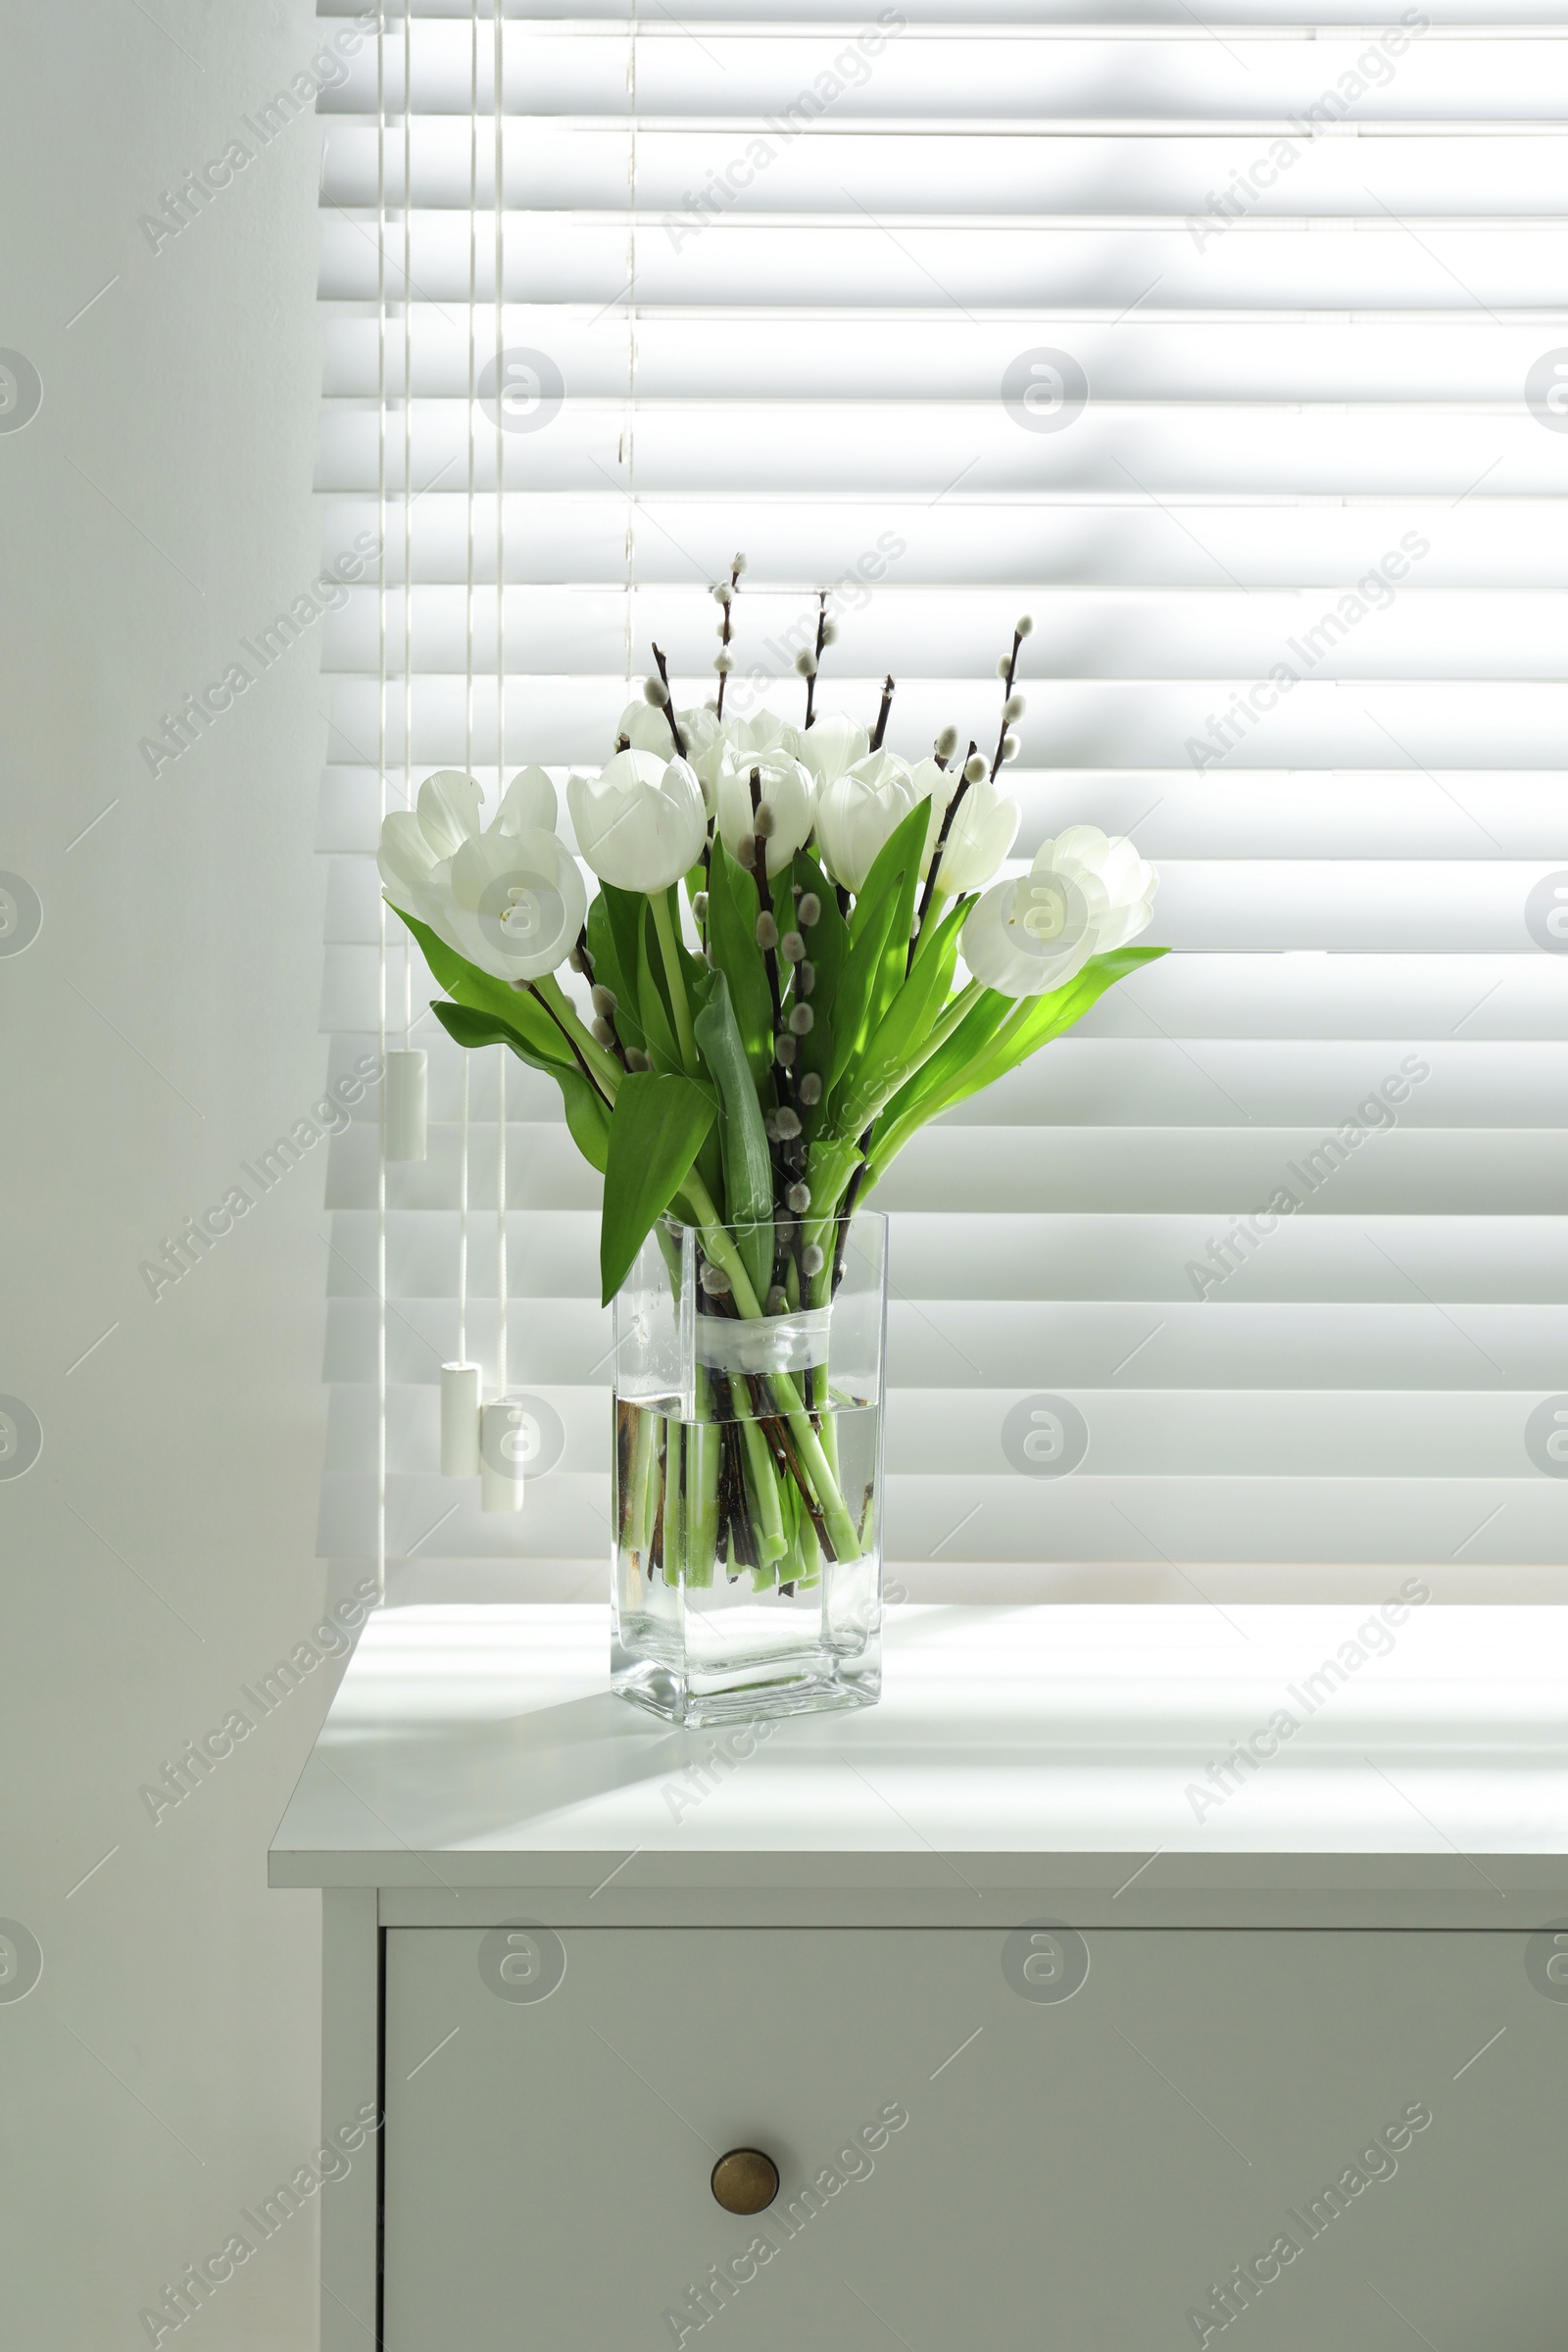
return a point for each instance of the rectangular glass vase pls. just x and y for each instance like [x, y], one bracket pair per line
[747, 1507]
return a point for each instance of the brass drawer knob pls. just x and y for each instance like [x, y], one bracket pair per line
[745, 2180]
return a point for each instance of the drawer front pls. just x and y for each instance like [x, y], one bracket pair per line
[1293, 2139]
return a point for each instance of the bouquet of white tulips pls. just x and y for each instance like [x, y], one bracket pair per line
[798, 952]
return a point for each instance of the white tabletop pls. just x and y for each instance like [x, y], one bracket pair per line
[1017, 1754]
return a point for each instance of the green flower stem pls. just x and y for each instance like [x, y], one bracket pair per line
[859, 1108]
[785, 1393]
[671, 1500]
[606, 1068]
[678, 1006]
[810, 1447]
[930, 924]
[771, 1542]
[831, 1166]
[695, 1561]
[975, 1077]
[644, 1468]
[716, 1242]
[962, 1006]
[830, 1447]
[811, 1552]
[704, 1442]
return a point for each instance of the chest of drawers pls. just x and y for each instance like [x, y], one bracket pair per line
[1065, 2008]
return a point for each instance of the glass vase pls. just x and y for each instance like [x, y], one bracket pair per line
[746, 1512]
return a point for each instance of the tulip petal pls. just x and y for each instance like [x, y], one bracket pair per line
[449, 807]
[409, 874]
[830, 748]
[529, 805]
[1085, 844]
[858, 811]
[982, 833]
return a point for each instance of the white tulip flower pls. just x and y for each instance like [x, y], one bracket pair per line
[646, 727]
[749, 738]
[983, 831]
[1083, 895]
[785, 787]
[856, 813]
[642, 822]
[511, 898]
[712, 742]
[830, 747]
[1109, 867]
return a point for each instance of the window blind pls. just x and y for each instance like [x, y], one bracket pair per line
[1236, 353]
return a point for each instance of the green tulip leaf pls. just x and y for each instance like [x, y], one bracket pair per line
[694, 968]
[604, 949]
[659, 1125]
[587, 1113]
[742, 1140]
[909, 1018]
[999, 1034]
[658, 1031]
[622, 920]
[879, 940]
[732, 912]
[520, 1014]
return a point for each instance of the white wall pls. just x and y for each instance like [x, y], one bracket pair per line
[160, 1029]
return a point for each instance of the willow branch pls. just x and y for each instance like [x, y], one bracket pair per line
[929, 892]
[670, 704]
[608, 1098]
[882, 715]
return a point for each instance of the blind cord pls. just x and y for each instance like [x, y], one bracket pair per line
[631, 339]
[381, 772]
[498, 116]
[474, 329]
[467, 704]
[408, 473]
[463, 1218]
[501, 1221]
